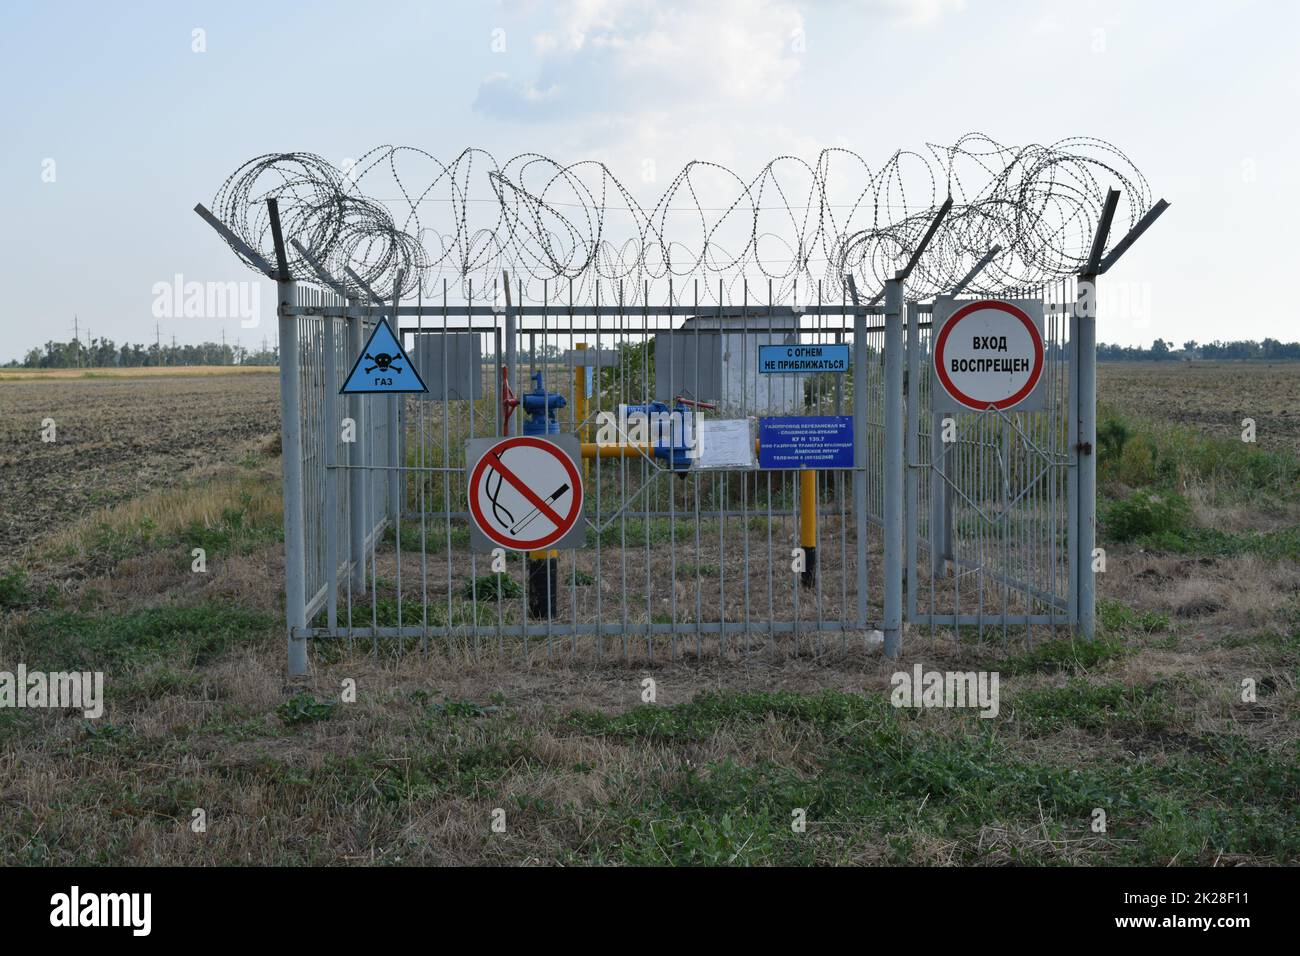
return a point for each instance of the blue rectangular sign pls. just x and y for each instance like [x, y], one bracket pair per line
[803, 358]
[810, 441]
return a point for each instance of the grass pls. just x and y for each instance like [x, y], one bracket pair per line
[871, 777]
[303, 708]
[688, 570]
[708, 712]
[1064, 655]
[1281, 544]
[717, 779]
[1148, 470]
[55, 374]
[16, 592]
[181, 636]
[1111, 707]
[382, 611]
[1118, 619]
[1165, 455]
[492, 587]
[234, 512]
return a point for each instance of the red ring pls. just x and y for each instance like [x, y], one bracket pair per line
[961, 397]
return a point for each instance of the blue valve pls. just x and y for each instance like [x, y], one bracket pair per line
[540, 407]
[667, 435]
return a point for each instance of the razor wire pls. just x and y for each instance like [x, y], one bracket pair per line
[576, 233]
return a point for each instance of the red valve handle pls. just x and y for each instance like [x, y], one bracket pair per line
[693, 403]
[508, 401]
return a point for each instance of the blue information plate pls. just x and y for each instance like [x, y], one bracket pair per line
[810, 441]
[803, 358]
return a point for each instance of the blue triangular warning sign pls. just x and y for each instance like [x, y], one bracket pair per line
[382, 367]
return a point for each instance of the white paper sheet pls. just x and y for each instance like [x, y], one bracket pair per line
[726, 443]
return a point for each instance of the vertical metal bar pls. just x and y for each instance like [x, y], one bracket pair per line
[330, 438]
[394, 452]
[583, 433]
[912, 464]
[394, 413]
[860, 438]
[599, 562]
[938, 463]
[423, 483]
[512, 376]
[894, 425]
[839, 493]
[1085, 449]
[295, 548]
[358, 503]
[1072, 473]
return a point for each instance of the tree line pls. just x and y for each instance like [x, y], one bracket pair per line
[105, 353]
[1161, 351]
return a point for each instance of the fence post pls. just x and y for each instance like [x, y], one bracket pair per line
[512, 375]
[894, 425]
[940, 502]
[358, 501]
[330, 443]
[860, 450]
[912, 449]
[1085, 353]
[295, 547]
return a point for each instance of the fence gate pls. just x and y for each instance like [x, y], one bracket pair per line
[991, 497]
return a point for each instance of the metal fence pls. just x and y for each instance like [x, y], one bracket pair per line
[676, 562]
[990, 527]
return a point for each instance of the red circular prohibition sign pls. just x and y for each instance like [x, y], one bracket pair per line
[491, 458]
[951, 324]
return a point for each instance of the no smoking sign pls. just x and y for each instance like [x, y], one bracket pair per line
[525, 493]
[988, 354]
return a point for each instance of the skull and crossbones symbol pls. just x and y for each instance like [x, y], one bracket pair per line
[384, 362]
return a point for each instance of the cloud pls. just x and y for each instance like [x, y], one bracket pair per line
[916, 13]
[498, 95]
[622, 56]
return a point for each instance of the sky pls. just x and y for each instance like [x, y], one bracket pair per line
[116, 121]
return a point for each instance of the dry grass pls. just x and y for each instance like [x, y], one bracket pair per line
[396, 778]
[206, 500]
[184, 371]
